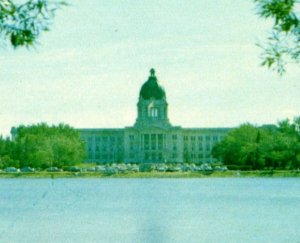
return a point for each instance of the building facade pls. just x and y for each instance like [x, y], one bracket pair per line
[152, 139]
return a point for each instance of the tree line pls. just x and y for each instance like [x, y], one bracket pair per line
[42, 146]
[266, 147]
[247, 147]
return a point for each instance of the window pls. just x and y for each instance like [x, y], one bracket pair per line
[200, 156]
[215, 138]
[193, 147]
[112, 140]
[131, 146]
[146, 141]
[193, 138]
[200, 138]
[153, 141]
[153, 112]
[207, 147]
[174, 137]
[160, 141]
[207, 138]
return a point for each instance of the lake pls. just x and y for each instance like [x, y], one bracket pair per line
[150, 210]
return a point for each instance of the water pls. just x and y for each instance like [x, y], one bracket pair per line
[150, 210]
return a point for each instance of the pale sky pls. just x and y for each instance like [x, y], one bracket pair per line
[88, 70]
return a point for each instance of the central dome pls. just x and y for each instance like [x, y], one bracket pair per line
[151, 89]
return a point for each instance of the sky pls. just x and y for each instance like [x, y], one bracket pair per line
[88, 70]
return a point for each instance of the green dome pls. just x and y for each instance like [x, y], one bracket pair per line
[151, 89]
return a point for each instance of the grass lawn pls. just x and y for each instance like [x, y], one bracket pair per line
[154, 174]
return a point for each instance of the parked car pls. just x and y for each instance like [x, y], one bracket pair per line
[173, 168]
[206, 167]
[11, 169]
[197, 168]
[27, 169]
[161, 168]
[90, 169]
[134, 168]
[73, 169]
[219, 168]
[53, 169]
[100, 168]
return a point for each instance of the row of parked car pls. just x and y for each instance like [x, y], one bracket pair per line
[117, 168]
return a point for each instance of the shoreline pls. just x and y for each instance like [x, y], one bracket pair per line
[140, 175]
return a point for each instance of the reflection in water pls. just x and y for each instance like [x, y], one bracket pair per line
[149, 215]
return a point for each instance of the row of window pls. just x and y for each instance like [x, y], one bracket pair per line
[207, 147]
[201, 138]
[154, 146]
[103, 147]
[103, 156]
[113, 139]
[147, 156]
[104, 139]
[199, 156]
[153, 141]
[152, 156]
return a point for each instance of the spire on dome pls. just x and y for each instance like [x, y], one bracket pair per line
[152, 72]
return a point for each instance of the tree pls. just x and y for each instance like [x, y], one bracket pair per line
[261, 147]
[44, 146]
[6, 150]
[240, 147]
[22, 23]
[283, 44]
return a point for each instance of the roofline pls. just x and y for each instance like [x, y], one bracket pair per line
[96, 129]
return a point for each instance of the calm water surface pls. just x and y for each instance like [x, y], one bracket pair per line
[150, 210]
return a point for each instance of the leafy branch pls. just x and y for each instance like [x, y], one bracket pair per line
[22, 24]
[283, 44]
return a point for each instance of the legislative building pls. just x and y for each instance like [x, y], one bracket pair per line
[152, 139]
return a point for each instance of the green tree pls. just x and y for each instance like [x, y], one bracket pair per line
[22, 23]
[262, 147]
[240, 147]
[283, 44]
[6, 151]
[44, 146]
